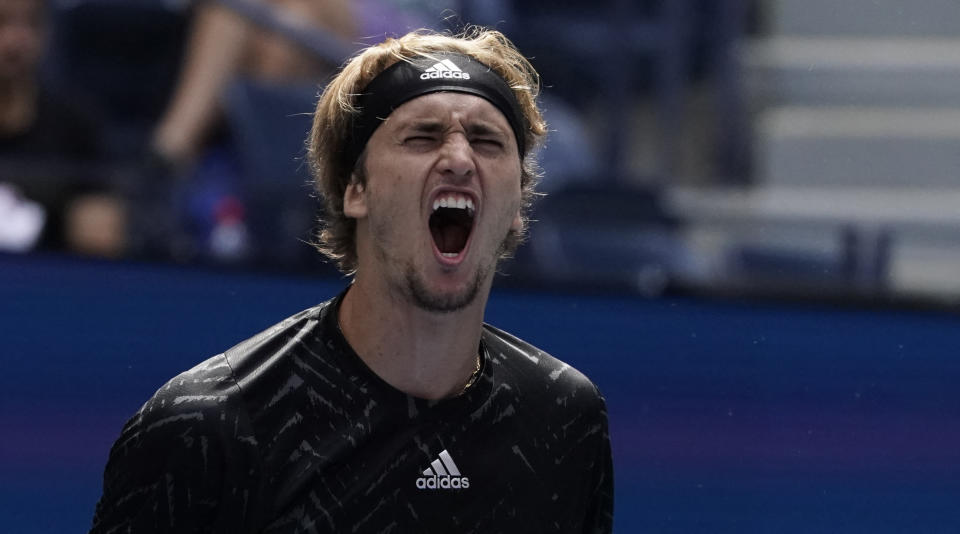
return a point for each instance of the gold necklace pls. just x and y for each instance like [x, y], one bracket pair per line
[473, 377]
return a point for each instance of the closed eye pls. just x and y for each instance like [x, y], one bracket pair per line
[493, 142]
[487, 138]
[420, 141]
[487, 145]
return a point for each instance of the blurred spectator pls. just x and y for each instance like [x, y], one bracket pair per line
[49, 148]
[194, 142]
[223, 46]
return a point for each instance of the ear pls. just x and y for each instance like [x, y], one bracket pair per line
[517, 224]
[354, 200]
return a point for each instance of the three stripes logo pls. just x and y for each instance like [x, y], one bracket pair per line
[443, 474]
[444, 69]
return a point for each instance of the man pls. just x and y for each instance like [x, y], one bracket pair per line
[391, 408]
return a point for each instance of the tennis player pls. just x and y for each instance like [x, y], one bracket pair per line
[392, 407]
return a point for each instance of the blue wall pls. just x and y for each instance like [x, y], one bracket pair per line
[726, 416]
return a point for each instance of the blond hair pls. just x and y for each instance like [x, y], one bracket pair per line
[336, 111]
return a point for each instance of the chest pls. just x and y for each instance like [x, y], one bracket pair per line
[496, 470]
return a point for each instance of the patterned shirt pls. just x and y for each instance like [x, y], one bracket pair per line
[290, 431]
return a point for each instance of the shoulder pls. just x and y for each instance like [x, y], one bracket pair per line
[193, 447]
[192, 404]
[246, 357]
[211, 398]
[535, 369]
[177, 454]
[560, 424]
[213, 393]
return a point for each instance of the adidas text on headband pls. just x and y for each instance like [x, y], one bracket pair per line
[441, 71]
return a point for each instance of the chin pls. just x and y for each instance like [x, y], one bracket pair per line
[437, 300]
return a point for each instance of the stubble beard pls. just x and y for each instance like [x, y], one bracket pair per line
[437, 302]
[416, 290]
[431, 301]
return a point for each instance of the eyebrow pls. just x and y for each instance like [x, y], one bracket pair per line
[435, 126]
[423, 126]
[484, 129]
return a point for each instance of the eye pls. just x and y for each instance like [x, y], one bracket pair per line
[488, 141]
[420, 141]
[489, 144]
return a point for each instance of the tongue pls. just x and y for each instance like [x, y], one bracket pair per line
[450, 238]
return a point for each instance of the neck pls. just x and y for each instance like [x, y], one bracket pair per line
[425, 354]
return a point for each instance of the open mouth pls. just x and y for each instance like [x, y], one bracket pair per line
[451, 223]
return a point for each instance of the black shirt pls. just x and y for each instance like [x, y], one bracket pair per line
[289, 431]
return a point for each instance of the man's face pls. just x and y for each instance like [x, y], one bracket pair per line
[442, 149]
[21, 38]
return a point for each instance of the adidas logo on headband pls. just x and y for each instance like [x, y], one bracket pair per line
[420, 75]
[444, 69]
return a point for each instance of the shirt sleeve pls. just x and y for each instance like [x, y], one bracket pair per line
[599, 518]
[175, 467]
[162, 476]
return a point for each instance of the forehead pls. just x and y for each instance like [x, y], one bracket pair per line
[449, 106]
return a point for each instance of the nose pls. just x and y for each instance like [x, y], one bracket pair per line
[457, 157]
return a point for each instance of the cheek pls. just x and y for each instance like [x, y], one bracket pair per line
[392, 208]
[508, 211]
[516, 194]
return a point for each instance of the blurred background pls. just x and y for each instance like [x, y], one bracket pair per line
[750, 237]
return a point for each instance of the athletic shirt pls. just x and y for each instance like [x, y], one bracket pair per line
[290, 431]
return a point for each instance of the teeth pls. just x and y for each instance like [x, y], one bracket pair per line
[449, 254]
[454, 201]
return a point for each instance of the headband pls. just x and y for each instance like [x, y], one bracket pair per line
[441, 71]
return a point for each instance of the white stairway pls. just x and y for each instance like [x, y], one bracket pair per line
[864, 95]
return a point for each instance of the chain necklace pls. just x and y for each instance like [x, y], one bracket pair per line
[473, 377]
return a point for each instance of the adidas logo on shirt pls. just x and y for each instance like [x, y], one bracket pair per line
[444, 69]
[443, 474]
